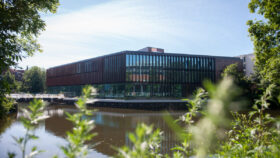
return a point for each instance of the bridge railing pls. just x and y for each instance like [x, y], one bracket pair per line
[36, 96]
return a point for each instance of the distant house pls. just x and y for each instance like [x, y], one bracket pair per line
[248, 63]
[18, 74]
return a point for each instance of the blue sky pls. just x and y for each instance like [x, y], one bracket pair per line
[89, 28]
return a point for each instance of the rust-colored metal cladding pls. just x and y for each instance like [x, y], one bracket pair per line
[89, 71]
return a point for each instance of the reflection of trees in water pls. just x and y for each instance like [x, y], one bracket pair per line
[6, 122]
[112, 126]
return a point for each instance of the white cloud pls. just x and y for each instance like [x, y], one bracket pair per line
[128, 24]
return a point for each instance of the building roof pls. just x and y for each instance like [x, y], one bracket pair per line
[146, 53]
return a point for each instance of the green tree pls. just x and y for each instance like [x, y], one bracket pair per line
[34, 80]
[20, 25]
[250, 90]
[266, 37]
[234, 72]
[10, 79]
[7, 84]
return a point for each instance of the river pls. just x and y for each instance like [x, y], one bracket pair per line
[112, 126]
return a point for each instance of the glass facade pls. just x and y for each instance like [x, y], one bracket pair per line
[164, 75]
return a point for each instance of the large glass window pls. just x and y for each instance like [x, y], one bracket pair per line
[164, 61]
[160, 61]
[207, 64]
[127, 60]
[193, 63]
[137, 60]
[168, 61]
[133, 60]
[148, 60]
[151, 61]
[213, 64]
[186, 63]
[198, 63]
[140, 60]
[154, 60]
[181, 62]
[144, 60]
[130, 60]
[172, 62]
[178, 63]
[203, 64]
[157, 61]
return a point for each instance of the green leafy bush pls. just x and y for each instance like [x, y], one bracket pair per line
[82, 130]
[146, 143]
[32, 115]
[221, 131]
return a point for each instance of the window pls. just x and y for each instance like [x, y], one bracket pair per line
[140, 60]
[130, 60]
[137, 60]
[88, 66]
[127, 60]
[133, 60]
[157, 61]
[151, 60]
[154, 60]
[148, 60]
[186, 63]
[78, 68]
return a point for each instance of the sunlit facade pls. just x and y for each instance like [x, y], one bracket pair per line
[138, 74]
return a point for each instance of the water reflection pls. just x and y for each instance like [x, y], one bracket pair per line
[112, 126]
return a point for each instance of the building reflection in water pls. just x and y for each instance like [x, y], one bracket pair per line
[112, 126]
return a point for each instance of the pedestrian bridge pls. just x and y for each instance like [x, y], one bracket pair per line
[28, 97]
[152, 104]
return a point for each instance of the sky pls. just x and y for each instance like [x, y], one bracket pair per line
[90, 28]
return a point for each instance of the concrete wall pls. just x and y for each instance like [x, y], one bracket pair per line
[248, 63]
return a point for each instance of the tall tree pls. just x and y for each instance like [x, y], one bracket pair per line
[20, 25]
[265, 34]
[11, 80]
[34, 80]
[234, 72]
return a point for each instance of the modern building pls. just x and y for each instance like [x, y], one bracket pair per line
[148, 72]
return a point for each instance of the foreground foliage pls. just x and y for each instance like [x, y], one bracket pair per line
[266, 37]
[221, 131]
[32, 115]
[82, 130]
[256, 135]
[20, 26]
[212, 128]
[146, 143]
